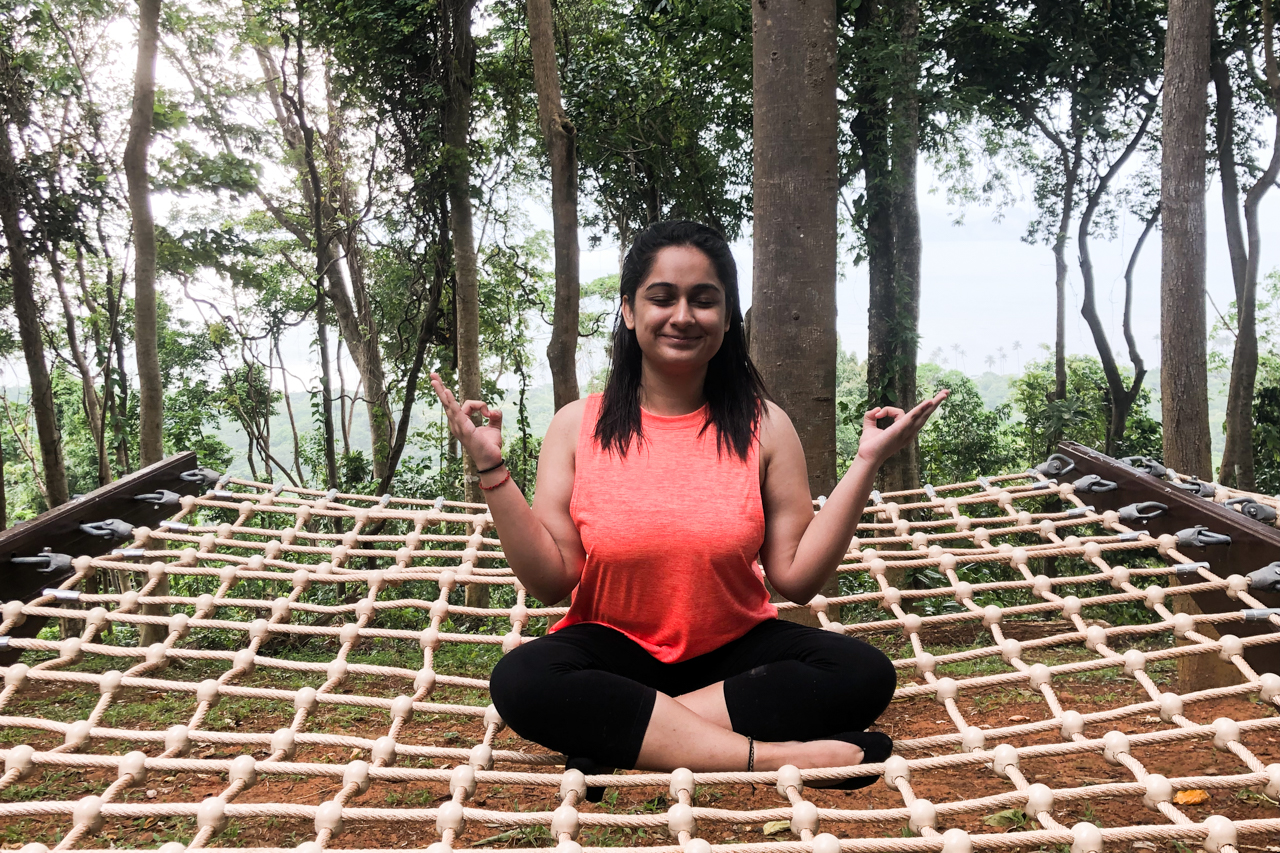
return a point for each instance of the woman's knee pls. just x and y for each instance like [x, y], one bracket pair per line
[864, 682]
[516, 683]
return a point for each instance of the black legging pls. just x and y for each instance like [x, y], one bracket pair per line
[588, 690]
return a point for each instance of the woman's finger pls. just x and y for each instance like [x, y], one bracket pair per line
[891, 412]
[494, 416]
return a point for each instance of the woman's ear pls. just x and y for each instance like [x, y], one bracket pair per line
[628, 314]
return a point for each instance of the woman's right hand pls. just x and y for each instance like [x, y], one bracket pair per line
[482, 443]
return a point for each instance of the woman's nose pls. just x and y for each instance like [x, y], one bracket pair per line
[682, 315]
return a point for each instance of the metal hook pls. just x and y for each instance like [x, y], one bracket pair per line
[1144, 511]
[1092, 484]
[1251, 508]
[112, 528]
[1055, 465]
[1201, 537]
[1145, 463]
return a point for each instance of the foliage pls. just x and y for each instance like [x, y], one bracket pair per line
[964, 439]
[1082, 415]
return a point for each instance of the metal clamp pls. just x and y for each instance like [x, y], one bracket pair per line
[63, 594]
[1259, 614]
[1251, 508]
[1145, 463]
[875, 497]
[930, 492]
[46, 562]
[1144, 511]
[204, 476]
[112, 528]
[1093, 484]
[1183, 569]
[163, 497]
[1197, 488]
[1265, 579]
[1055, 465]
[175, 526]
[128, 553]
[1079, 512]
[1201, 537]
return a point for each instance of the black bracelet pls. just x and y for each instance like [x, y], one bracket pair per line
[751, 755]
[501, 462]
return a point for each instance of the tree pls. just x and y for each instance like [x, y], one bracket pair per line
[150, 384]
[793, 336]
[560, 136]
[1074, 83]
[1184, 379]
[13, 111]
[1235, 59]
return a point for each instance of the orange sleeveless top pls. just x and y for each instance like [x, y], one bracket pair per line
[672, 534]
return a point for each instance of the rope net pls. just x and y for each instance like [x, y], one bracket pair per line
[319, 684]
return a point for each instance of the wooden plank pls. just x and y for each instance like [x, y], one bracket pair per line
[59, 528]
[1253, 544]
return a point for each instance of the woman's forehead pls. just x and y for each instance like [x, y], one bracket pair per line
[683, 266]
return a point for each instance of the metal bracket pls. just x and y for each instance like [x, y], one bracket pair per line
[204, 476]
[1190, 568]
[1252, 509]
[46, 562]
[1265, 579]
[1055, 466]
[164, 497]
[63, 594]
[1144, 511]
[112, 528]
[1201, 537]
[1093, 484]
[1145, 463]
[1197, 488]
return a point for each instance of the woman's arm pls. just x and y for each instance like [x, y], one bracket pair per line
[801, 550]
[541, 543]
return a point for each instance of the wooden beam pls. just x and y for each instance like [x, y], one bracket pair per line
[59, 529]
[1253, 544]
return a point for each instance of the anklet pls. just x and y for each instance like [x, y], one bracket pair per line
[751, 755]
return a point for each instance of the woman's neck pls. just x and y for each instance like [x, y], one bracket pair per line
[670, 396]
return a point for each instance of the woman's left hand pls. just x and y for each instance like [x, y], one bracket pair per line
[878, 444]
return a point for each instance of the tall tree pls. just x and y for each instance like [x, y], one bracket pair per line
[886, 127]
[1244, 244]
[150, 384]
[795, 185]
[561, 140]
[1184, 398]
[24, 303]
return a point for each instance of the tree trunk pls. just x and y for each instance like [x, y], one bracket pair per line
[1122, 398]
[29, 327]
[92, 406]
[1184, 398]
[146, 344]
[795, 186]
[561, 137]
[1237, 456]
[326, 390]
[459, 68]
[1070, 176]
[902, 470]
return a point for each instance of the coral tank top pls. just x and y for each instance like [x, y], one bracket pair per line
[672, 534]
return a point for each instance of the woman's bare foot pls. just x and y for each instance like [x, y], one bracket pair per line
[807, 754]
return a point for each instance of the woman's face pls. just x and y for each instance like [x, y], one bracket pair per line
[679, 312]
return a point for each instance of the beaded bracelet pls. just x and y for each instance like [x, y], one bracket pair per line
[485, 488]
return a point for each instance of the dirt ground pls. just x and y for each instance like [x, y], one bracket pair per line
[905, 719]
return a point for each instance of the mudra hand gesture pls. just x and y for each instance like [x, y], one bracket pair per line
[483, 443]
[878, 444]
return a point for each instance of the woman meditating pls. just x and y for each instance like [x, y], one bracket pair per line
[654, 501]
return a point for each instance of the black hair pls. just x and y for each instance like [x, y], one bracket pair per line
[734, 390]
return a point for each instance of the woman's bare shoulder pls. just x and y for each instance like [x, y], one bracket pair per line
[566, 424]
[774, 424]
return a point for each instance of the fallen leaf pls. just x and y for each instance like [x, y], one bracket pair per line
[1144, 845]
[773, 827]
[1150, 719]
[1018, 718]
[1193, 797]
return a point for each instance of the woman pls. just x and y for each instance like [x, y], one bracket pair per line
[653, 502]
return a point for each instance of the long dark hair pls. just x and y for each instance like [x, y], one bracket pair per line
[734, 390]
